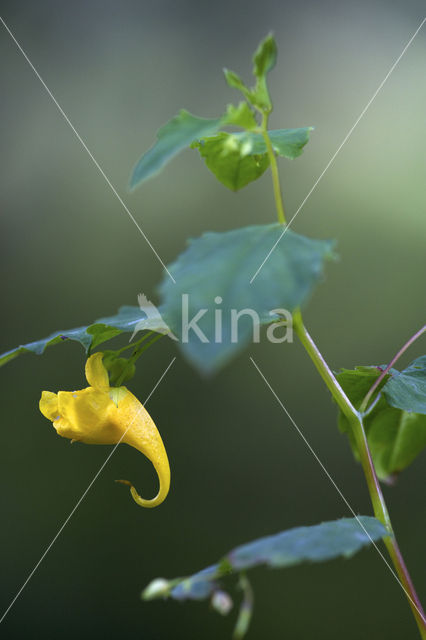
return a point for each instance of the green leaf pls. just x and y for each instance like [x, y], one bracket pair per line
[287, 143]
[173, 137]
[235, 82]
[101, 333]
[95, 334]
[119, 368]
[236, 159]
[407, 390]
[259, 96]
[221, 265]
[230, 160]
[317, 543]
[356, 383]
[395, 437]
[79, 335]
[264, 60]
[240, 116]
[265, 56]
[128, 317]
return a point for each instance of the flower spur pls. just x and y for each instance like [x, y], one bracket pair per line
[100, 414]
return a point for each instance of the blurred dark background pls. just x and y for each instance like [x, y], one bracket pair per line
[70, 254]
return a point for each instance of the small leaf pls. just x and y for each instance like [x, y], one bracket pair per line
[407, 390]
[356, 383]
[119, 369]
[317, 543]
[265, 56]
[235, 82]
[230, 160]
[395, 437]
[214, 272]
[173, 137]
[240, 116]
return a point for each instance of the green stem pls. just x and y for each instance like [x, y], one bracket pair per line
[379, 505]
[274, 169]
[136, 354]
[246, 608]
[135, 344]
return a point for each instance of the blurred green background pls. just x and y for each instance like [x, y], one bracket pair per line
[70, 254]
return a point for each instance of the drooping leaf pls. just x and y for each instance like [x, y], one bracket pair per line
[317, 543]
[90, 336]
[236, 159]
[214, 273]
[230, 160]
[79, 335]
[173, 137]
[395, 437]
[407, 390]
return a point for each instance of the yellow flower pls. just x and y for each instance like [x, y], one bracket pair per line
[101, 414]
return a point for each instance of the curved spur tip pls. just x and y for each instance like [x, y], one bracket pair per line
[129, 484]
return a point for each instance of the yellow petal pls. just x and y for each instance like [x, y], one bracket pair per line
[90, 416]
[96, 374]
[49, 405]
[140, 432]
[100, 414]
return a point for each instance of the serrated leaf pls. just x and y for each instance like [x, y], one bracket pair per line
[265, 56]
[407, 390]
[230, 159]
[221, 265]
[395, 437]
[259, 96]
[91, 336]
[173, 137]
[101, 333]
[317, 543]
[240, 116]
[79, 335]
